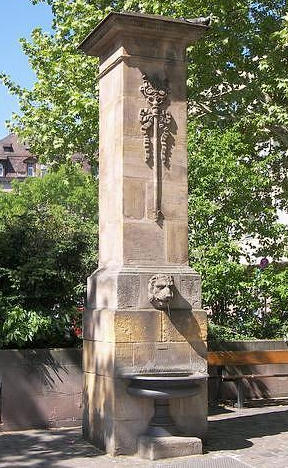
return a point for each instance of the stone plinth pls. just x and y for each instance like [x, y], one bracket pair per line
[143, 227]
[168, 447]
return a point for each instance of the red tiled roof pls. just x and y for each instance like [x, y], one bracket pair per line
[17, 158]
[18, 148]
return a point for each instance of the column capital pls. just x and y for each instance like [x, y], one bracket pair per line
[118, 26]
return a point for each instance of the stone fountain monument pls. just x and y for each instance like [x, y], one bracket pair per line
[144, 330]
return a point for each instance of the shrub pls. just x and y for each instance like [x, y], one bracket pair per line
[48, 244]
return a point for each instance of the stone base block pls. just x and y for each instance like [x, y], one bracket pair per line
[155, 448]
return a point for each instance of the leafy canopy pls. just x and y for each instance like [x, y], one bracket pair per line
[238, 128]
[228, 76]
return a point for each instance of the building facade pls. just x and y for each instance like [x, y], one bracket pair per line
[18, 163]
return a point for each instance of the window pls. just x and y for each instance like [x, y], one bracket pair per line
[8, 148]
[2, 170]
[30, 170]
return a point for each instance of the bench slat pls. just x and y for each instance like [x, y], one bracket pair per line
[250, 376]
[241, 358]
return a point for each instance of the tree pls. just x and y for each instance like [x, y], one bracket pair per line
[238, 180]
[48, 243]
[231, 197]
[59, 115]
[237, 96]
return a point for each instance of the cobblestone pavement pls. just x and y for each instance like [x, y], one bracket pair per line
[251, 437]
[256, 436]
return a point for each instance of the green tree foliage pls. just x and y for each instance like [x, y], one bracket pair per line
[227, 76]
[48, 244]
[232, 204]
[237, 103]
[260, 306]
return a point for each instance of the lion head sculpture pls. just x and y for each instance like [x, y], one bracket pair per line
[160, 290]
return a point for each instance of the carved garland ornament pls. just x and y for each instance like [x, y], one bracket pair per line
[155, 126]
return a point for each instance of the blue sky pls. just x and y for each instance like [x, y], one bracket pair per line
[17, 19]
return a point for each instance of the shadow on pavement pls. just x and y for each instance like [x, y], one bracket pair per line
[43, 448]
[66, 448]
[235, 432]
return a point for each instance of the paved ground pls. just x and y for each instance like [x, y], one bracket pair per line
[251, 437]
[255, 436]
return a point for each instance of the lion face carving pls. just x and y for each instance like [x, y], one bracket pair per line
[160, 290]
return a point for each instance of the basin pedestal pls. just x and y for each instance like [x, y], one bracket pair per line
[161, 424]
[162, 438]
[144, 302]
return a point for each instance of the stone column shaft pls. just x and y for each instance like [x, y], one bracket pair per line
[143, 229]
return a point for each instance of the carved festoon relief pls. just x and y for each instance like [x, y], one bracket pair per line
[160, 290]
[146, 119]
[155, 125]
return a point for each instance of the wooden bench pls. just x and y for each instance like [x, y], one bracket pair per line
[222, 359]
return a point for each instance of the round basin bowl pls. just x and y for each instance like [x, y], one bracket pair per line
[165, 386]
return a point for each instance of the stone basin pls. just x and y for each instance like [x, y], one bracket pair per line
[164, 385]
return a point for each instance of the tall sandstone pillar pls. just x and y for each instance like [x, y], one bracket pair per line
[132, 323]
